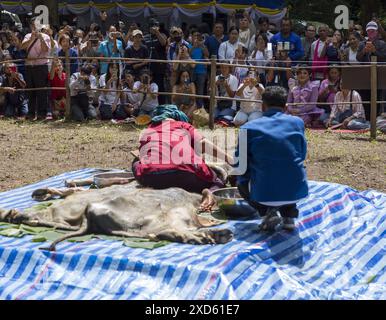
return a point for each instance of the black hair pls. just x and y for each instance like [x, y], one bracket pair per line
[146, 71]
[178, 79]
[111, 64]
[356, 34]
[303, 66]
[262, 20]
[275, 97]
[263, 35]
[244, 50]
[86, 69]
[232, 29]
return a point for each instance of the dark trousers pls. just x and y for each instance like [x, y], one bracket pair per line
[37, 77]
[178, 179]
[287, 211]
[366, 96]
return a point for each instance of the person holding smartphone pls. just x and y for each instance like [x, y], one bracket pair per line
[147, 93]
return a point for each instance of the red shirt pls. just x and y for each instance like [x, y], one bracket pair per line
[169, 146]
[58, 83]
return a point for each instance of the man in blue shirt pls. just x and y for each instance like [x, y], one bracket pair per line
[111, 48]
[213, 42]
[275, 179]
[296, 51]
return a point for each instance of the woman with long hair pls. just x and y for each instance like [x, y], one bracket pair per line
[184, 85]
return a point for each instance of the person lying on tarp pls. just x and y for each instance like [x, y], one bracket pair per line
[275, 179]
[170, 155]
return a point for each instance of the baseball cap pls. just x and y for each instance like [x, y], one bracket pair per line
[137, 32]
[372, 25]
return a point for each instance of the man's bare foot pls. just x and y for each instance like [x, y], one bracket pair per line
[208, 201]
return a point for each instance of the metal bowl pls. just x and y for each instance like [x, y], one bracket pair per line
[232, 204]
[110, 178]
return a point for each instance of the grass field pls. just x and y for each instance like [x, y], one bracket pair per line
[34, 151]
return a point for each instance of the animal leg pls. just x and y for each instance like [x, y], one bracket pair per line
[131, 234]
[196, 237]
[81, 232]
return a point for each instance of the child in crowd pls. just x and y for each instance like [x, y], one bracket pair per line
[250, 89]
[57, 79]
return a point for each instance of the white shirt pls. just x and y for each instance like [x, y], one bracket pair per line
[352, 56]
[148, 103]
[357, 106]
[258, 60]
[227, 50]
[108, 97]
[233, 84]
[251, 94]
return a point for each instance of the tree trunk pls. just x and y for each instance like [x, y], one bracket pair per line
[53, 9]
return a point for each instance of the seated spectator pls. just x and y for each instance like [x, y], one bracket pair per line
[138, 51]
[81, 95]
[349, 54]
[381, 122]
[184, 85]
[199, 53]
[64, 43]
[228, 48]
[349, 116]
[250, 89]
[306, 94]
[182, 55]
[57, 79]
[147, 90]
[329, 87]
[129, 99]
[15, 102]
[226, 86]
[109, 101]
[241, 59]
[276, 77]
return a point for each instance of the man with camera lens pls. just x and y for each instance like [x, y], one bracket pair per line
[15, 103]
[146, 94]
[156, 43]
[37, 46]
[81, 84]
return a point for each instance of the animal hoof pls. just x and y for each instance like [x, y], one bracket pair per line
[221, 236]
[51, 249]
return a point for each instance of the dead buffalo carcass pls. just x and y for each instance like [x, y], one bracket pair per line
[127, 211]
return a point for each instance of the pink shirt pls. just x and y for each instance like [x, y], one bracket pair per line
[36, 51]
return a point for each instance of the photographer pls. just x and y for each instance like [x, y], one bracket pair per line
[136, 51]
[129, 99]
[110, 48]
[226, 86]
[15, 103]
[184, 85]
[81, 97]
[90, 49]
[250, 89]
[109, 102]
[38, 46]
[147, 91]
[156, 42]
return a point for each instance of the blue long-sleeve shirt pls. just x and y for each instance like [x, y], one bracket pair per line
[276, 151]
[296, 47]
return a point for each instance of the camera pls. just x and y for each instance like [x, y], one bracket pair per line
[153, 23]
[221, 78]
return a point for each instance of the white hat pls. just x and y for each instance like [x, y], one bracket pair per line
[372, 25]
[137, 32]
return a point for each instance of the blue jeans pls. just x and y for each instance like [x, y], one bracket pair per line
[227, 114]
[199, 81]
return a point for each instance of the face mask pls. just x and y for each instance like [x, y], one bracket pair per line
[177, 38]
[186, 81]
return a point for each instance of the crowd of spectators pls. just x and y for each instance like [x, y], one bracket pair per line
[306, 63]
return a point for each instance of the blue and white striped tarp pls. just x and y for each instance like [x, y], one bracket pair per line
[337, 253]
